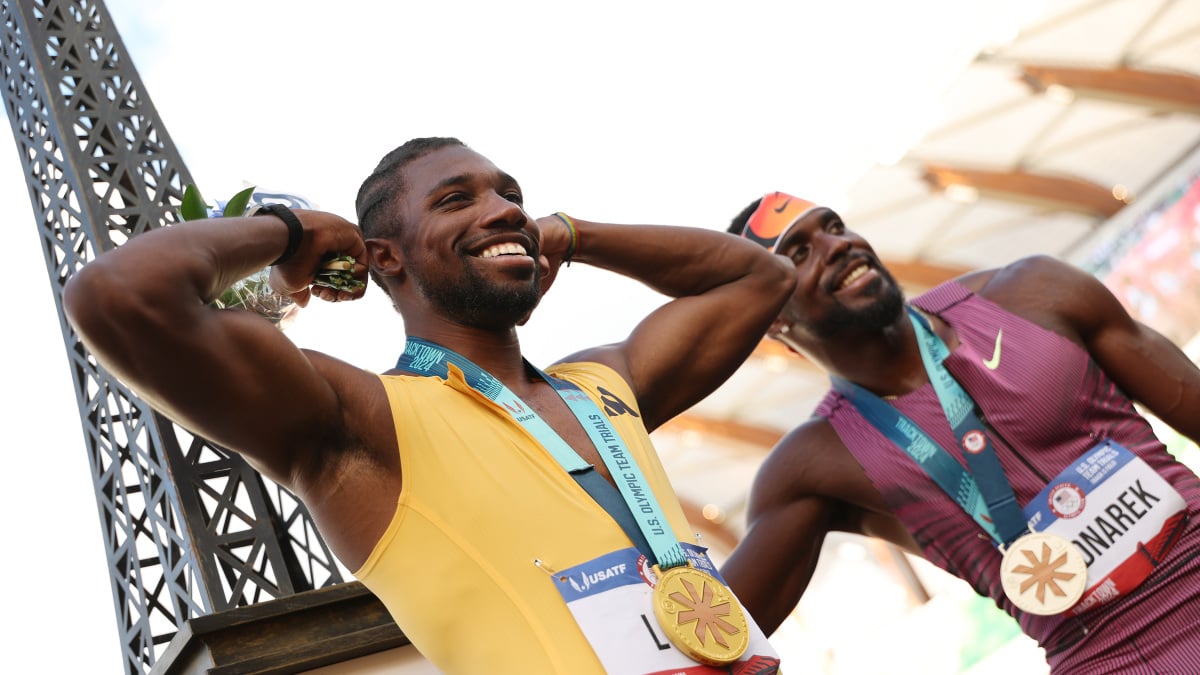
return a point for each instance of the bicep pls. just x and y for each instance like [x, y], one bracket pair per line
[687, 348]
[250, 388]
[226, 375]
[1150, 369]
[1142, 362]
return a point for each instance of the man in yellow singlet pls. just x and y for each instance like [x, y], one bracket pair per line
[456, 486]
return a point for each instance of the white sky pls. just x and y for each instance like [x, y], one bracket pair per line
[669, 112]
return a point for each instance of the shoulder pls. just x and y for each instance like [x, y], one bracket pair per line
[581, 367]
[1021, 274]
[599, 367]
[1047, 291]
[344, 377]
[608, 358]
[605, 382]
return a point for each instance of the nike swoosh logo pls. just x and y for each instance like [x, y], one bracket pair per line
[782, 206]
[994, 362]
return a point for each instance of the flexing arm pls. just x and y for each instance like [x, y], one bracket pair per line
[1147, 366]
[786, 526]
[142, 309]
[726, 289]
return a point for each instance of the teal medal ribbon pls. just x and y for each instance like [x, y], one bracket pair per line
[984, 491]
[422, 357]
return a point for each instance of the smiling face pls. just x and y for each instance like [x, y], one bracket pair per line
[470, 250]
[842, 289]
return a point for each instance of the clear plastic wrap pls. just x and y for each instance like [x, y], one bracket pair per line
[253, 293]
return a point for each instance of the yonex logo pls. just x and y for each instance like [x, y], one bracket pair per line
[614, 406]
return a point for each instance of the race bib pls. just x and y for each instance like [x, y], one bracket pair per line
[1121, 515]
[610, 598]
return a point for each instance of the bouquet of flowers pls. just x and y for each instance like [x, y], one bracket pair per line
[254, 293]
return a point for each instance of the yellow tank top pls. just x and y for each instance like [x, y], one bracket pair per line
[482, 500]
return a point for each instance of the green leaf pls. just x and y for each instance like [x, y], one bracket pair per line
[237, 204]
[193, 206]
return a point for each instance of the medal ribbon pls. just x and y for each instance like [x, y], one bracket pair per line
[423, 357]
[984, 491]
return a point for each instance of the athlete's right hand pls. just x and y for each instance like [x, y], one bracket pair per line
[325, 235]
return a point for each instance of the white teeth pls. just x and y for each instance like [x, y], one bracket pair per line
[858, 272]
[503, 249]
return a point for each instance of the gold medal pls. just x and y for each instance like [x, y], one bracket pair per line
[700, 615]
[1043, 573]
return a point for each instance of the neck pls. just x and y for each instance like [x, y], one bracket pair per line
[887, 362]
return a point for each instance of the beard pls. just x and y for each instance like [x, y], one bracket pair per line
[887, 306]
[478, 303]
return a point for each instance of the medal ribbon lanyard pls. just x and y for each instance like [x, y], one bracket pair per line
[984, 492]
[427, 358]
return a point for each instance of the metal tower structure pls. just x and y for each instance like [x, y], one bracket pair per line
[190, 529]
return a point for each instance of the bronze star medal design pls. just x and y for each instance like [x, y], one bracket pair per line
[700, 616]
[1043, 574]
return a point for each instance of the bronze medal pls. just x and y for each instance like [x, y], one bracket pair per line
[700, 615]
[1043, 573]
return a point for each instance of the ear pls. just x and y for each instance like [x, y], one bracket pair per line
[787, 332]
[779, 326]
[385, 257]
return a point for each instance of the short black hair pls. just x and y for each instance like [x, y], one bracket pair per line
[738, 224]
[384, 184]
[381, 188]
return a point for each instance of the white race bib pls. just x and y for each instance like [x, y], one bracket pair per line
[1121, 515]
[610, 598]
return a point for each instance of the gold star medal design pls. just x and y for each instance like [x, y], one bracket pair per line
[1043, 574]
[700, 616]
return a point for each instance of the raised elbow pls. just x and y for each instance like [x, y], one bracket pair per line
[780, 278]
[86, 298]
[102, 308]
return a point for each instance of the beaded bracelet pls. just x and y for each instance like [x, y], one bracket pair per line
[295, 229]
[573, 245]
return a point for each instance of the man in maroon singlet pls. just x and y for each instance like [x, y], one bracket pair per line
[1052, 364]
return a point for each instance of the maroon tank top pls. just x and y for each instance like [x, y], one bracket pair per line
[1046, 403]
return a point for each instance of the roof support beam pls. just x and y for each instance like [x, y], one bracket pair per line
[1171, 92]
[1059, 193]
[922, 275]
[749, 434]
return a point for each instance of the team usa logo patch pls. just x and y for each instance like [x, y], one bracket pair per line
[1066, 500]
[974, 442]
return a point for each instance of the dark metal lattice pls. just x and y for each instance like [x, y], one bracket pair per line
[189, 527]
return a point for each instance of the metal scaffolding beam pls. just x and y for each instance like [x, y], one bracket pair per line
[190, 529]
